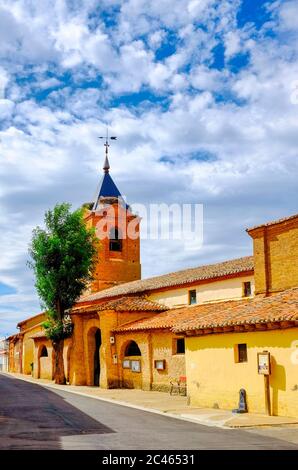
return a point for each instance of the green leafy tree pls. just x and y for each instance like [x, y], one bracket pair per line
[63, 256]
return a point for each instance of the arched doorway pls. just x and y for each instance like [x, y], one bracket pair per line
[43, 351]
[44, 363]
[132, 365]
[96, 360]
[132, 349]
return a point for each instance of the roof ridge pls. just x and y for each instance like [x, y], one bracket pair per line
[143, 284]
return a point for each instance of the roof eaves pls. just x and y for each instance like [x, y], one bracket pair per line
[274, 222]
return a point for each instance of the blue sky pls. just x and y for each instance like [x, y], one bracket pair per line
[201, 94]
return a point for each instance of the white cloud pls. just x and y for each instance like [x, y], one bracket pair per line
[226, 139]
[4, 79]
[49, 83]
[288, 15]
[6, 108]
[204, 78]
[155, 39]
[232, 43]
[196, 7]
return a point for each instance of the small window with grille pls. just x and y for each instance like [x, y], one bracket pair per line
[192, 297]
[247, 289]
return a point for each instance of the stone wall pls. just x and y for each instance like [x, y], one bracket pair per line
[154, 345]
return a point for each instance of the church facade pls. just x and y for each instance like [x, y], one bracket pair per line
[102, 351]
[192, 325]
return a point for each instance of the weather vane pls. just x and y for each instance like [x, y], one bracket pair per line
[107, 138]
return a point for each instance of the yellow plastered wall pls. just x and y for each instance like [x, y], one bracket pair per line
[228, 289]
[214, 379]
[28, 354]
[45, 368]
[28, 348]
[28, 328]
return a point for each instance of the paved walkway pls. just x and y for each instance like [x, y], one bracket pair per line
[163, 403]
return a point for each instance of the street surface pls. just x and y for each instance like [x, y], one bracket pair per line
[33, 417]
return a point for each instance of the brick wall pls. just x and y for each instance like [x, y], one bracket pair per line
[115, 267]
[275, 256]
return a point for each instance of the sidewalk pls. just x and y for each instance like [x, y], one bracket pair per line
[162, 403]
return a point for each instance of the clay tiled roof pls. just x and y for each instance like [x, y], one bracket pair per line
[130, 304]
[125, 304]
[274, 222]
[187, 276]
[281, 307]
[161, 321]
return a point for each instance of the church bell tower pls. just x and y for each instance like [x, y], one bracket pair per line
[118, 231]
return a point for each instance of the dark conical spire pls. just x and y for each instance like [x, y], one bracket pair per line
[107, 189]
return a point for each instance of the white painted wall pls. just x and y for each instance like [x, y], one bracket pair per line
[227, 289]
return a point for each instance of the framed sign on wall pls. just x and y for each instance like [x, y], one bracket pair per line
[126, 364]
[136, 366]
[264, 363]
[160, 364]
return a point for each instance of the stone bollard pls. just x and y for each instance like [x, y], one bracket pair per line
[242, 407]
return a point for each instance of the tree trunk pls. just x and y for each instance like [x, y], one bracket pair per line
[59, 374]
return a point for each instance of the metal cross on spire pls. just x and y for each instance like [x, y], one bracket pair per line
[106, 165]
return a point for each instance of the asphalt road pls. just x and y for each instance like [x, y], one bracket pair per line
[33, 417]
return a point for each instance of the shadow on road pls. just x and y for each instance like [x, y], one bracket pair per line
[33, 417]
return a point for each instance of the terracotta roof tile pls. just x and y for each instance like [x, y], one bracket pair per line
[186, 276]
[124, 304]
[128, 304]
[276, 308]
[161, 321]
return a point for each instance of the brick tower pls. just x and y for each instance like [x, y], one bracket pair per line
[118, 230]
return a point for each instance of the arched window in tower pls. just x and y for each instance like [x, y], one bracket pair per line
[115, 239]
